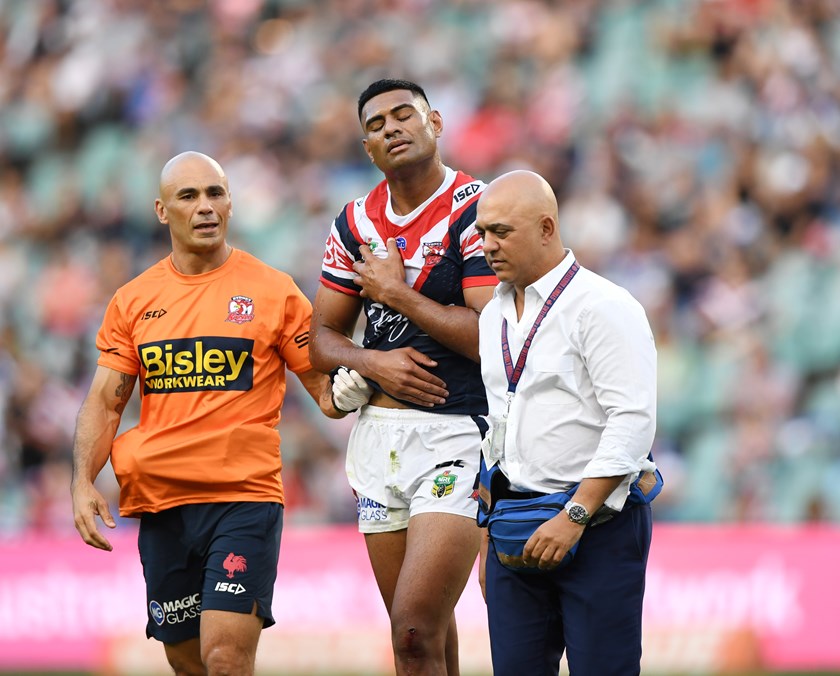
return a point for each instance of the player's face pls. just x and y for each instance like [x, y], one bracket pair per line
[400, 130]
[195, 204]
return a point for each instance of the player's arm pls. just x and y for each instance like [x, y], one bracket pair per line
[383, 280]
[334, 316]
[96, 427]
[401, 373]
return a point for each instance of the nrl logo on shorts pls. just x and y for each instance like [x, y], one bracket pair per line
[443, 484]
[240, 310]
[433, 252]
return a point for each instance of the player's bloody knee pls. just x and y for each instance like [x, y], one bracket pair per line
[409, 644]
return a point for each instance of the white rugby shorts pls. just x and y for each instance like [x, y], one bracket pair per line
[402, 462]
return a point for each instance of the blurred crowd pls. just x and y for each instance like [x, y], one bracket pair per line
[693, 145]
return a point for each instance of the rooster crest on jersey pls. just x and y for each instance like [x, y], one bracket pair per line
[234, 563]
[433, 252]
[240, 310]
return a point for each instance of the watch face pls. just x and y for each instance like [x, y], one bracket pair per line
[578, 514]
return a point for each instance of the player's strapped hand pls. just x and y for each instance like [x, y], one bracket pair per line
[349, 389]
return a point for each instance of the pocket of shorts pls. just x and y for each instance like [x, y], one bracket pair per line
[557, 382]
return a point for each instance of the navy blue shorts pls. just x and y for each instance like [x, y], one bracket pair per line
[219, 556]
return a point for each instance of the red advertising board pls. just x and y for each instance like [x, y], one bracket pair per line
[719, 599]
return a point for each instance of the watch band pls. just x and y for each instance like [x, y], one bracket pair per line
[577, 513]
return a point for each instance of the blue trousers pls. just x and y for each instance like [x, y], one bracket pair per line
[590, 608]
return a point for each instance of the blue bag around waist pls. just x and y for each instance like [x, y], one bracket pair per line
[645, 488]
[512, 522]
[486, 479]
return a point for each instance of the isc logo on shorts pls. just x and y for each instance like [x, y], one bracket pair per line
[229, 587]
[370, 510]
[198, 364]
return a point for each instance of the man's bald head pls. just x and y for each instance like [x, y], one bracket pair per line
[517, 216]
[522, 190]
[186, 162]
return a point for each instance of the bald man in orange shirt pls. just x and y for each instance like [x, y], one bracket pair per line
[210, 332]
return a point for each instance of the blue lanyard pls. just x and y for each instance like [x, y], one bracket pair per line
[515, 372]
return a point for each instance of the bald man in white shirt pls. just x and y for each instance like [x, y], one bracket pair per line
[569, 365]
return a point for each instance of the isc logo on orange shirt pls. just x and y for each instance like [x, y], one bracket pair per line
[196, 364]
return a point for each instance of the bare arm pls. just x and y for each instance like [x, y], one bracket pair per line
[319, 388]
[334, 316]
[383, 280]
[401, 373]
[96, 427]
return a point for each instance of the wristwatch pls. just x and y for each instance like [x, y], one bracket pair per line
[577, 513]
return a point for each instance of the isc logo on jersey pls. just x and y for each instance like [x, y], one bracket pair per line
[466, 191]
[198, 364]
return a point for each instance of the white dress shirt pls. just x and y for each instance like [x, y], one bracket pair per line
[585, 404]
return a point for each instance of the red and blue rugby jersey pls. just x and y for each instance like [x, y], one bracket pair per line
[442, 254]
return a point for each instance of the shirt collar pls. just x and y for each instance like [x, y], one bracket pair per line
[449, 176]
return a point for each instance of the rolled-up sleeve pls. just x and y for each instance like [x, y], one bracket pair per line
[617, 345]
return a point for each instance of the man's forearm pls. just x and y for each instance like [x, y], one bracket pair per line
[329, 349]
[95, 432]
[593, 492]
[454, 326]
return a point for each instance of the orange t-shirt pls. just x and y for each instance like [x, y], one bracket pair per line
[211, 353]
